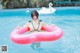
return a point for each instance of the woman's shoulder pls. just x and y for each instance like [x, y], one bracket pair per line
[29, 21]
[42, 23]
[40, 20]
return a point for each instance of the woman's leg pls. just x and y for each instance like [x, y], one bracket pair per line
[35, 45]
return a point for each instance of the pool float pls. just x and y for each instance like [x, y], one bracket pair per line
[49, 10]
[51, 33]
[46, 10]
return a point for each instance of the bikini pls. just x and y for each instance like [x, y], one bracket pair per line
[33, 44]
[34, 27]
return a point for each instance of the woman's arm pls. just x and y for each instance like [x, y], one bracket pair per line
[44, 24]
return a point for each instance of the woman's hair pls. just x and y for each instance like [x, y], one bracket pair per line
[34, 12]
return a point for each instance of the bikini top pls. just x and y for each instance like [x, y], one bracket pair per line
[37, 27]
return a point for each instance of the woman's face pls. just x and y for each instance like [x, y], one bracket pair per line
[35, 18]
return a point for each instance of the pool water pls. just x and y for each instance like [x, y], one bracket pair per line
[67, 18]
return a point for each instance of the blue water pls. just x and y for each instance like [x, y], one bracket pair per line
[67, 18]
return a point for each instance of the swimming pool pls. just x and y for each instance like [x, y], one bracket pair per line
[68, 18]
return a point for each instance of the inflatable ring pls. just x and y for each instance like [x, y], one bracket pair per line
[51, 33]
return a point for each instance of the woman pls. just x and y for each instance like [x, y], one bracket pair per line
[35, 26]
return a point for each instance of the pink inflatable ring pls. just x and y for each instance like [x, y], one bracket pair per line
[51, 33]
